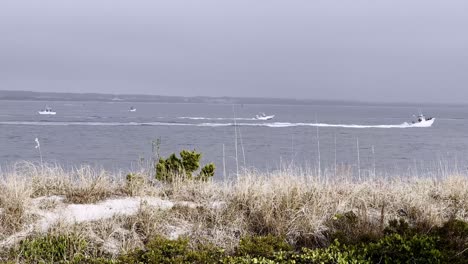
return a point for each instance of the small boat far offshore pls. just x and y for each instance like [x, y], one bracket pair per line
[422, 121]
[47, 111]
[132, 109]
[262, 116]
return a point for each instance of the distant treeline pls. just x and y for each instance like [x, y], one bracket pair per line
[56, 96]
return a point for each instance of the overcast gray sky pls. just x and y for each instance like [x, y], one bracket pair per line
[388, 50]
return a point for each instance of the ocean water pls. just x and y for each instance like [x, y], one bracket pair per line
[362, 138]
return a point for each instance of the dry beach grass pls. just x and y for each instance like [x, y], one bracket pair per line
[303, 208]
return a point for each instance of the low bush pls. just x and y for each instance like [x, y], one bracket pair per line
[183, 168]
[454, 241]
[451, 239]
[396, 248]
[51, 249]
[335, 253]
[446, 244]
[162, 250]
[262, 246]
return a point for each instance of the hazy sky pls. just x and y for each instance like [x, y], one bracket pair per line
[386, 50]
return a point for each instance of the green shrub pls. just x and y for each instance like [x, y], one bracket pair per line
[51, 249]
[205, 254]
[262, 246]
[183, 168]
[335, 253]
[248, 260]
[91, 260]
[393, 248]
[190, 161]
[167, 169]
[451, 239]
[162, 250]
[396, 248]
[398, 227]
[401, 244]
[454, 241]
[347, 228]
[207, 172]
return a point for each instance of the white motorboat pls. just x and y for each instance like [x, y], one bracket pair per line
[263, 116]
[422, 121]
[47, 111]
[132, 109]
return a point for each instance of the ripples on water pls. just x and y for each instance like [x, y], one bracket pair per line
[109, 136]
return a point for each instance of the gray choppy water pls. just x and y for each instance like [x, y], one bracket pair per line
[108, 135]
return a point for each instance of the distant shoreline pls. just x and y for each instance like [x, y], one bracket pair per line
[7, 95]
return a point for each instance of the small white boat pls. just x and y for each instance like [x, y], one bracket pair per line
[262, 116]
[47, 111]
[422, 121]
[132, 109]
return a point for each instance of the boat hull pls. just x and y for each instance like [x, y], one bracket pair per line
[46, 113]
[424, 123]
[264, 117]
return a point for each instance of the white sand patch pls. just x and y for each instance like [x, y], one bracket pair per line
[124, 206]
[78, 213]
[52, 210]
[187, 204]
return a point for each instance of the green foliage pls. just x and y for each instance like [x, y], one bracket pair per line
[248, 260]
[167, 170]
[159, 250]
[400, 244]
[335, 253]
[262, 246]
[451, 239]
[162, 250]
[207, 172]
[396, 248]
[347, 228]
[455, 233]
[51, 249]
[398, 227]
[190, 161]
[393, 248]
[343, 224]
[91, 260]
[206, 254]
[454, 241]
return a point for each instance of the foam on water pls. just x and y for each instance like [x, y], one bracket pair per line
[59, 123]
[272, 124]
[214, 118]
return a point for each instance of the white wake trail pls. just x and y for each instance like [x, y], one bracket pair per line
[286, 124]
[215, 118]
[423, 124]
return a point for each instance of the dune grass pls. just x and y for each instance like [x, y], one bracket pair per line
[308, 211]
